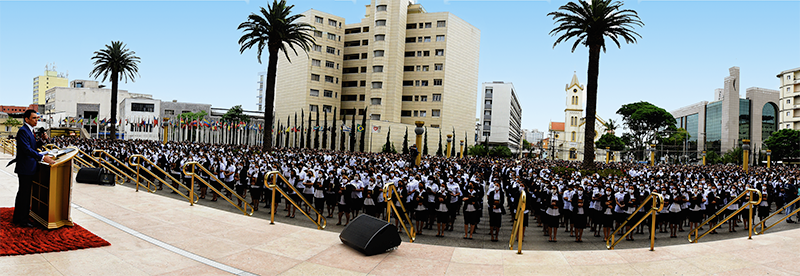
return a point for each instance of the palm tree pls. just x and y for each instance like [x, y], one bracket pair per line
[274, 29]
[120, 63]
[589, 24]
[611, 126]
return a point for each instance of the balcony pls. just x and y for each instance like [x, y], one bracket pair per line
[487, 106]
[488, 95]
[487, 117]
[487, 127]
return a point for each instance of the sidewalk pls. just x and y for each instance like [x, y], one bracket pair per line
[164, 236]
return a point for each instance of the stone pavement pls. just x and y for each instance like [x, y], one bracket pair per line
[152, 234]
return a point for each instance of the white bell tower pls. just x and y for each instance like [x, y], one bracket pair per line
[575, 96]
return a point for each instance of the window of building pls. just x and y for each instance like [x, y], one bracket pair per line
[377, 69]
[416, 98]
[437, 82]
[375, 101]
[427, 25]
[572, 137]
[416, 83]
[363, 55]
[378, 53]
[365, 42]
[573, 154]
[408, 83]
[788, 101]
[329, 79]
[349, 98]
[350, 70]
[351, 56]
[318, 19]
[380, 37]
[352, 43]
[427, 39]
[362, 83]
[328, 94]
[331, 36]
[411, 39]
[329, 64]
[316, 62]
[169, 112]
[409, 68]
[361, 98]
[440, 52]
[326, 108]
[409, 54]
[349, 83]
[318, 33]
[361, 112]
[317, 48]
[352, 31]
[377, 85]
[439, 38]
[375, 117]
[330, 50]
[363, 69]
[379, 23]
[419, 68]
[416, 113]
[380, 8]
[408, 98]
[436, 97]
[365, 29]
[419, 39]
[423, 113]
[314, 77]
[313, 108]
[142, 107]
[411, 26]
[425, 68]
[438, 67]
[436, 113]
[441, 24]
[332, 22]
[347, 111]
[423, 83]
[423, 98]
[314, 93]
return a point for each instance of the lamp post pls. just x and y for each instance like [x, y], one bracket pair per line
[769, 158]
[165, 124]
[608, 154]
[652, 150]
[449, 140]
[461, 152]
[419, 130]
[704, 157]
[746, 153]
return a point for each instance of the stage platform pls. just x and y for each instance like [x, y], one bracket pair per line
[156, 235]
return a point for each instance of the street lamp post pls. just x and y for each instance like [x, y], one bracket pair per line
[746, 153]
[461, 152]
[769, 158]
[652, 150]
[419, 130]
[608, 152]
[449, 140]
[704, 157]
[165, 124]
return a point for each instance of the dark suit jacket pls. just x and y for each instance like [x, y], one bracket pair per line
[27, 156]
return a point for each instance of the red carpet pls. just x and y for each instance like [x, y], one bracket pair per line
[16, 240]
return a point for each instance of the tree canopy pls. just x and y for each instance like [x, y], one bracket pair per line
[609, 140]
[235, 114]
[784, 144]
[646, 124]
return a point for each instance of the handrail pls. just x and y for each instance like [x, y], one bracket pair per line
[517, 231]
[750, 204]
[9, 145]
[193, 175]
[657, 201]
[389, 189]
[139, 158]
[274, 186]
[764, 221]
[111, 167]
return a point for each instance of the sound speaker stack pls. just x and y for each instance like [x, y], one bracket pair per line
[370, 235]
[94, 176]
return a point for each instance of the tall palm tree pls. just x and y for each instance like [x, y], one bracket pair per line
[611, 126]
[274, 29]
[120, 63]
[589, 24]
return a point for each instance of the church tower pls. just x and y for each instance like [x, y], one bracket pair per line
[573, 113]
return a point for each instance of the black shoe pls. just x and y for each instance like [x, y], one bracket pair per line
[24, 224]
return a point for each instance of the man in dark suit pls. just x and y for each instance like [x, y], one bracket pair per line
[27, 159]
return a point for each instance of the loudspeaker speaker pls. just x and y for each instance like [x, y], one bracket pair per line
[370, 235]
[94, 176]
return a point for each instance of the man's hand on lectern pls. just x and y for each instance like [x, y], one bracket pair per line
[47, 159]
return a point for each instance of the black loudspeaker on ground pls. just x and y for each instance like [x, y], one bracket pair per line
[370, 235]
[94, 176]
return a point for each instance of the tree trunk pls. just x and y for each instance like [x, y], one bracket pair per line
[591, 106]
[114, 89]
[269, 106]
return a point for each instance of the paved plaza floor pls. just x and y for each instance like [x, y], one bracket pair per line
[154, 234]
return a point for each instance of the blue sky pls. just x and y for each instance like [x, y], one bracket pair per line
[189, 49]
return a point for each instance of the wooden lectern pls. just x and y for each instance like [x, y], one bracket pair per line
[52, 190]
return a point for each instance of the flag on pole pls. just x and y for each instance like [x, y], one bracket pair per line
[359, 128]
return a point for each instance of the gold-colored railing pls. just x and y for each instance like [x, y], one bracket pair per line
[9, 146]
[391, 195]
[763, 222]
[135, 161]
[518, 230]
[657, 204]
[98, 157]
[194, 176]
[321, 222]
[749, 204]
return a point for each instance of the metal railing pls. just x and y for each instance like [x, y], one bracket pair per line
[9, 146]
[194, 176]
[518, 230]
[391, 195]
[763, 222]
[135, 161]
[321, 222]
[98, 157]
[657, 204]
[750, 203]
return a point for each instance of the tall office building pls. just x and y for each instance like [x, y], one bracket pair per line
[42, 83]
[261, 88]
[790, 99]
[398, 65]
[501, 115]
[721, 125]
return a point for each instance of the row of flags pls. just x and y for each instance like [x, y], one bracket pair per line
[359, 128]
[214, 125]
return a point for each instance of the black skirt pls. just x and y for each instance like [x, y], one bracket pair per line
[495, 219]
[471, 217]
[578, 221]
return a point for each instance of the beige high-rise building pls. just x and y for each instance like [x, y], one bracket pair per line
[42, 83]
[400, 63]
[789, 104]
